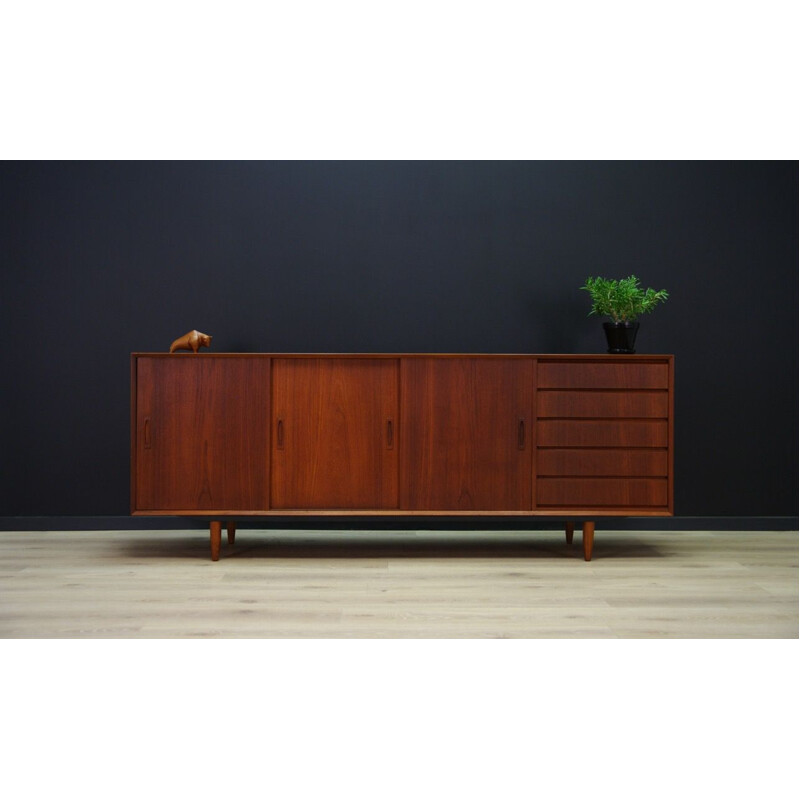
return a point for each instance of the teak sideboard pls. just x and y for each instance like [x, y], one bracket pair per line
[228, 436]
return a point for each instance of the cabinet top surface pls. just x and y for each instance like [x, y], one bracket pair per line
[555, 356]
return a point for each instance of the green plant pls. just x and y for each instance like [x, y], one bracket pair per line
[623, 300]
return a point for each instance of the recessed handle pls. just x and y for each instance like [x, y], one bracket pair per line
[389, 434]
[148, 442]
[280, 434]
[521, 434]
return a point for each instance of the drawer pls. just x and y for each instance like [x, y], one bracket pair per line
[559, 403]
[601, 492]
[602, 433]
[596, 375]
[616, 462]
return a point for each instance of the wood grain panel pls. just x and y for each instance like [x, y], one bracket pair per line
[202, 433]
[600, 375]
[466, 433]
[557, 403]
[591, 492]
[466, 443]
[575, 462]
[602, 433]
[335, 428]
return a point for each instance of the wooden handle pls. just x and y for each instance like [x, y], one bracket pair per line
[280, 434]
[389, 434]
[148, 443]
[521, 434]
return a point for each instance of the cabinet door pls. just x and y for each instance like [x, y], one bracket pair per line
[465, 433]
[202, 428]
[334, 433]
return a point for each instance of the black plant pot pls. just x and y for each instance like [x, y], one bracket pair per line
[621, 336]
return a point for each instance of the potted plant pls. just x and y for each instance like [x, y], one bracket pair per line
[623, 300]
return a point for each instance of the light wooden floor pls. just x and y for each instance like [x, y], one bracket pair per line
[301, 584]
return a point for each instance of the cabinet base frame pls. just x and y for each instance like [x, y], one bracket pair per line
[215, 529]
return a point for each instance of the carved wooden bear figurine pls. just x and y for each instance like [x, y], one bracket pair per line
[193, 341]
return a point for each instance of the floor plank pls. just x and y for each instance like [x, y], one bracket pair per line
[398, 584]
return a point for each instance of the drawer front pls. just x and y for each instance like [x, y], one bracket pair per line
[559, 403]
[602, 492]
[596, 375]
[602, 433]
[606, 463]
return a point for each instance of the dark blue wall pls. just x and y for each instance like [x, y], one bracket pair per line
[101, 259]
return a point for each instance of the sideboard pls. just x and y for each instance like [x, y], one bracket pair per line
[232, 435]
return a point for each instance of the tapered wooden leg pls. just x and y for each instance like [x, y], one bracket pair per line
[231, 532]
[570, 529]
[216, 538]
[588, 539]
